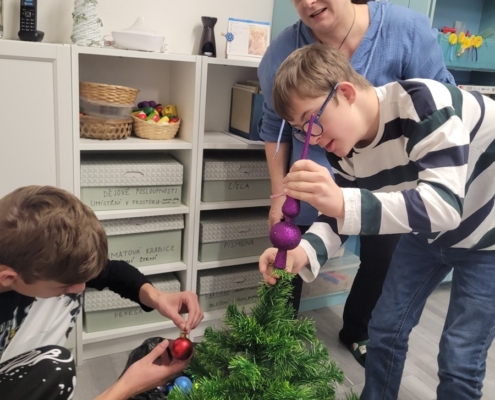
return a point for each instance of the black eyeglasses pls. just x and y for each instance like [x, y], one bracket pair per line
[317, 130]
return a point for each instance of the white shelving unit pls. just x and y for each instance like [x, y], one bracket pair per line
[168, 79]
[201, 89]
[217, 78]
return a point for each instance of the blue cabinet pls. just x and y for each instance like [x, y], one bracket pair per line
[478, 16]
[422, 6]
[284, 15]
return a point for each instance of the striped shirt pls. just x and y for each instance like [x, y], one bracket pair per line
[430, 171]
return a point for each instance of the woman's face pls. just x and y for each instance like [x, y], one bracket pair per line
[320, 15]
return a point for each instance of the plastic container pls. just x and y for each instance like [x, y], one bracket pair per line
[103, 109]
[138, 37]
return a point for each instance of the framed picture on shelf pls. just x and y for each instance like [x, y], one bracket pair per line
[247, 39]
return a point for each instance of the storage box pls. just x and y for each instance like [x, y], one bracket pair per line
[107, 310]
[233, 234]
[117, 182]
[330, 282]
[235, 177]
[220, 287]
[145, 240]
[245, 113]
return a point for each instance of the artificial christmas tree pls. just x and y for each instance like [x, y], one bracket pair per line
[86, 30]
[268, 354]
[263, 355]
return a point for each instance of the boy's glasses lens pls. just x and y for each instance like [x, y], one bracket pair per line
[301, 134]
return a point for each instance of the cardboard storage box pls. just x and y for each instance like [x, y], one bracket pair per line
[246, 109]
[222, 286]
[233, 234]
[107, 310]
[235, 177]
[145, 240]
[330, 282]
[117, 182]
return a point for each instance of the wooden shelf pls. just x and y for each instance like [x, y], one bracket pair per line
[111, 334]
[133, 143]
[148, 212]
[163, 268]
[114, 52]
[234, 63]
[227, 263]
[224, 205]
[228, 141]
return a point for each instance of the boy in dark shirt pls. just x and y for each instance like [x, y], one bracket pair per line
[51, 247]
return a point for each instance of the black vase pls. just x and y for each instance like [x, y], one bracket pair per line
[207, 45]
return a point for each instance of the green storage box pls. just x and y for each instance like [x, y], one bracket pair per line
[235, 177]
[220, 287]
[233, 234]
[145, 240]
[118, 182]
[105, 309]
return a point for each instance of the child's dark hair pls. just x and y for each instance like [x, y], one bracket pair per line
[47, 233]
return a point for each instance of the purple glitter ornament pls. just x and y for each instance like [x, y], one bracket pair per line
[286, 235]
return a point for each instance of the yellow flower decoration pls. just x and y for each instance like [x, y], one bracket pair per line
[462, 36]
[453, 38]
[477, 41]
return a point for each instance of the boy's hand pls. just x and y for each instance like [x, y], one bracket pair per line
[171, 305]
[296, 260]
[312, 183]
[152, 370]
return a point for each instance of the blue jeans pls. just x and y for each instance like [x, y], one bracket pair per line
[416, 270]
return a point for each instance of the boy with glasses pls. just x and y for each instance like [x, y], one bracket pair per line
[414, 157]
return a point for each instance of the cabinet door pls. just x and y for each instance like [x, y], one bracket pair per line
[422, 6]
[404, 3]
[35, 115]
[284, 15]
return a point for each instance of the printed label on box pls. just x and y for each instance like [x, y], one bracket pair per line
[121, 198]
[143, 249]
[235, 190]
[219, 300]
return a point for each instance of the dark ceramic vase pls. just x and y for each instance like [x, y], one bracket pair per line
[207, 45]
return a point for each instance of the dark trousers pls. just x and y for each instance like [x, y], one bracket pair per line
[375, 255]
[46, 373]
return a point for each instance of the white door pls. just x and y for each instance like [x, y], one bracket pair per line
[35, 115]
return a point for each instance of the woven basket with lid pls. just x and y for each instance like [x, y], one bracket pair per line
[108, 93]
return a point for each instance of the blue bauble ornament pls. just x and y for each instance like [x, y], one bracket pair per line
[184, 383]
[169, 388]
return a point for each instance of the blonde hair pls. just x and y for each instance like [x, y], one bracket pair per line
[47, 233]
[310, 72]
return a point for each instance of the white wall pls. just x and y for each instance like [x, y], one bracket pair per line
[178, 20]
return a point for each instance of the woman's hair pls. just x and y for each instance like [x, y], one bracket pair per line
[310, 72]
[47, 233]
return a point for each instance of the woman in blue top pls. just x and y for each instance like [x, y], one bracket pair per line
[384, 43]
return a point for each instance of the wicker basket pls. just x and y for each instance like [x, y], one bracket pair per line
[104, 128]
[108, 93]
[150, 130]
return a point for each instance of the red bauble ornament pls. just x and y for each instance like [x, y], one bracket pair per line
[182, 348]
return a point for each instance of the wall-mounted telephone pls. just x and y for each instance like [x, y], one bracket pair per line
[28, 30]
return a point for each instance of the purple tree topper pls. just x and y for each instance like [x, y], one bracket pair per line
[285, 235]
